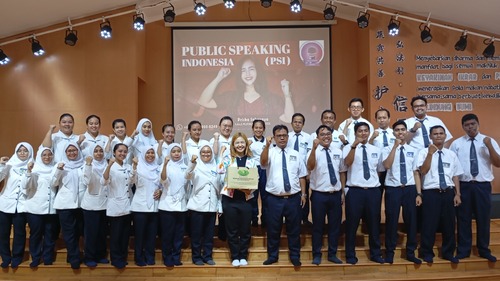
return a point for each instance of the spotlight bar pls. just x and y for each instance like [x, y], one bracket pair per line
[36, 48]
[106, 29]
[139, 21]
[4, 59]
[296, 6]
[169, 13]
[489, 51]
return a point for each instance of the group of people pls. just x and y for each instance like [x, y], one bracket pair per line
[90, 184]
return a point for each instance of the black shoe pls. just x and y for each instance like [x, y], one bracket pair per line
[255, 223]
[169, 264]
[75, 265]
[316, 261]
[377, 260]
[296, 262]
[334, 259]
[452, 259]
[489, 257]
[141, 263]
[269, 261]
[198, 262]
[307, 223]
[34, 264]
[414, 259]
[177, 263]
[103, 260]
[428, 259]
[461, 257]
[389, 259]
[48, 262]
[90, 263]
[15, 264]
[353, 260]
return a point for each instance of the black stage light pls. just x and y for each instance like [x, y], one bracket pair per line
[363, 19]
[425, 33]
[489, 51]
[461, 43]
[106, 29]
[169, 14]
[36, 48]
[71, 37]
[139, 21]
[295, 6]
[229, 3]
[4, 59]
[266, 3]
[393, 26]
[200, 8]
[329, 11]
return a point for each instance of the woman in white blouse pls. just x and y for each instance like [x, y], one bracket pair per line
[173, 205]
[143, 137]
[92, 135]
[12, 199]
[145, 207]
[39, 206]
[119, 178]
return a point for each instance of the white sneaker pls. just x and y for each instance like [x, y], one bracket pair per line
[236, 263]
[243, 262]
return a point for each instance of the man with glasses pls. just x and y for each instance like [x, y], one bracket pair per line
[328, 118]
[418, 135]
[347, 127]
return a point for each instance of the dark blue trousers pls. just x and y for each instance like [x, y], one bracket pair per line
[119, 234]
[18, 220]
[438, 209]
[94, 235]
[263, 196]
[71, 220]
[278, 208]
[363, 203]
[476, 199]
[325, 204]
[238, 215]
[306, 208]
[395, 199]
[172, 233]
[202, 235]
[145, 229]
[44, 231]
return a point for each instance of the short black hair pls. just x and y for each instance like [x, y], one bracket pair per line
[226, 118]
[470, 116]
[280, 127]
[92, 116]
[193, 122]
[321, 127]
[166, 126]
[356, 100]
[435, 128]
[383, 109]
[328, 111]
[66, 115]
[259, 121]
[415, 98]
[360, 124]
[399, 122]
[300, 115]
[116, 121]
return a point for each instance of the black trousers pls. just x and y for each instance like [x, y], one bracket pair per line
[172, 232]
[94, 235]
[119, 234]
[44, 231]
[238, 215]
[18, 220]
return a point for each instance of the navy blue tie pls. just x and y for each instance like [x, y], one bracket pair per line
[286, 180]
[442, 180]
[402, 166]
[366, 170]
[474, 168]
[424, 133]
[331, 170]
[386, 142]
[296, 145]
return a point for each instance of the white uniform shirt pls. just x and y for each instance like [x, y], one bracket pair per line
[320, 175]
[205, 193]
[304, 141]
[393, 177]
[13, 194]
[89, 140]
[119, 184]
[128, 142]
[355, 176]
[451, 167]
[274, 171]
[379, 140]
[65, 197]
[350, 136]
[96, 195]
[461, 146]
[59, 141]
[139, 201]
[42, 201]
[336, 142]
[429, 122]
[192, 148]
[175, 189]
[257, 146]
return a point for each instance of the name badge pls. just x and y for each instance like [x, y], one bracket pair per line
[374, 155]
[336, 156]
[392, 141]
[293, 158]
[409, 154]
[446, 165]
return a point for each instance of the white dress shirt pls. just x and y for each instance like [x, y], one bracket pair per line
[65, 199]
[379, 140]
[350, 136]
[320, 175]
[96, 195]
[89, 140]
[257, 146]
[205, 193]
[429, 122]
[304, 141]
[139, 201]
[355, 176]
[119, 183]
[128, 142]
[274, 170]
[461, 146]
[175, 189]
[336, 142]
[451, 167]
[393, 177]
[59, 141]
[42, 201]
[13, 194]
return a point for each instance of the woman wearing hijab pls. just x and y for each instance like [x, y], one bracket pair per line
[68, 177]
[94, 207]
[203, 203]
[119, 178]
[173, 205]
[12, 199]
[145, 207]
[39, 206]
[143, 137]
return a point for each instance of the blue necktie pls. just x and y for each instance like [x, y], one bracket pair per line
[386, 142]
[442, 180]
[331, 170]
[424, 133]
[366, 170]
[474, 168]
[296, 145]
[402, 166]
[286, 180]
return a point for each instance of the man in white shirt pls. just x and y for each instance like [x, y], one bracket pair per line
[478, 153]
[439, 168]
[328, 118]
[286, 184]
[419, 136]
[383, 136]
[347, 126]
[364, 196]
[327, 173]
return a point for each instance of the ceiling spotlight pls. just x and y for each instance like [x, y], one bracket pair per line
[393, 26]
[363, 19]
[139, 21]
[266, 3]
[329, 11]
[462, 42]
[229, 3]
[489, 51]
[4, 59]
[169, 13]
[105, 29]
[425, 33]
[199, 8]
[71, 37]
[36, 48]
[295, 6]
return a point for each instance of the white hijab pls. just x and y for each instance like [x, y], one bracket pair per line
[98, 167]
[19, 166]
[150, 173]
[208, 169]
[142, 139]
[71, 178]
[177, 169]
[41, 168]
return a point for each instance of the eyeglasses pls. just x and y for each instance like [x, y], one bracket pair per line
[325, 134]
[356, 107]
[281, 136]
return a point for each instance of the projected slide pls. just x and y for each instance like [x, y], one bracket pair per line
[250, 73]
